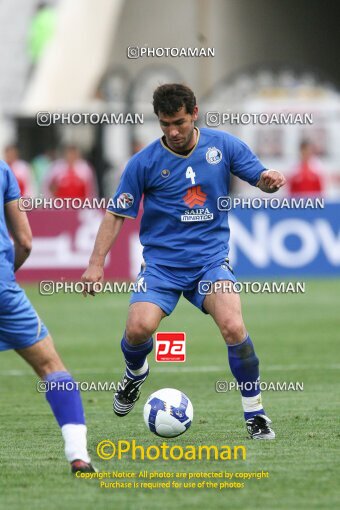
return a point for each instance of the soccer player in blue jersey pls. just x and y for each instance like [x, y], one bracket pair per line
[185, 238]
[22, 330]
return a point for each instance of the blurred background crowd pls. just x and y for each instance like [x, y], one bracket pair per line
[63, 56]
[72, 176]
[82, 56]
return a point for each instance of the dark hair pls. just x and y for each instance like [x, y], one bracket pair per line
[171, 97]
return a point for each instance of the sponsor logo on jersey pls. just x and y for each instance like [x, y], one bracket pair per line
[213, 155]
[191, 215]
[193, 198]
[125, 200]
[165, 173]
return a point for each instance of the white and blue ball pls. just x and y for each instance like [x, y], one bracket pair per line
[168, 413]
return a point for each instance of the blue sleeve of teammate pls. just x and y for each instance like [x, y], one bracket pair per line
[126, 200]
[12, 190]
[243, 161]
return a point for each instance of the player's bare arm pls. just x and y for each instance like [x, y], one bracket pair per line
[106, 236]
[20, 230]
[271, 181]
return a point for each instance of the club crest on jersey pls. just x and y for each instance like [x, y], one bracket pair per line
[125, 200]
[213, 155]
[165, 173]
[193, 198]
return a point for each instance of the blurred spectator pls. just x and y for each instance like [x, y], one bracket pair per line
[136, 146]
[97, 160]
[307, 177]
[41, 30]
[21, 170]
[71, 177]
[41, 166]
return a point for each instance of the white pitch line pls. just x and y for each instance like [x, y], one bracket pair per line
[176, 369]
[334, 366]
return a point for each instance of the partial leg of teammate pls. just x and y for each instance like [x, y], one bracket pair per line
[22, 330]
[64, 400]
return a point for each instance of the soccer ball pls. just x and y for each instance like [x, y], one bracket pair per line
[168, 413]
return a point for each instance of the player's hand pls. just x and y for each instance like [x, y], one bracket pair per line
[93, 274]
[271, 181]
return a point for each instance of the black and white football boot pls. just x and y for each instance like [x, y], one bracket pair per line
[127, 394]
[258, 427]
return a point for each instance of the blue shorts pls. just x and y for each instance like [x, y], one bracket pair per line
[164, 285]
[20, 325]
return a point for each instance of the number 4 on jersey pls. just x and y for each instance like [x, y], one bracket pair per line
[190, 174]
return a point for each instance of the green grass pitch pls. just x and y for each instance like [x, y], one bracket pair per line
[296, 338]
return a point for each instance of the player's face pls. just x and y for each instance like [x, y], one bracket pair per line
[179, 129]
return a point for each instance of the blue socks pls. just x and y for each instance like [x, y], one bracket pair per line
[243, 362]
[244, 366]
[64, 399]
[135, 357]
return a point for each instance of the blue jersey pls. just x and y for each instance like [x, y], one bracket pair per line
[181, 224]
[9, 190]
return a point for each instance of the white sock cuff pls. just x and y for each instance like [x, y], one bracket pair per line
[251, 404]
[75, 442]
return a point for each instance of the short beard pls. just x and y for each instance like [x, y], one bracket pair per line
[185, 146]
